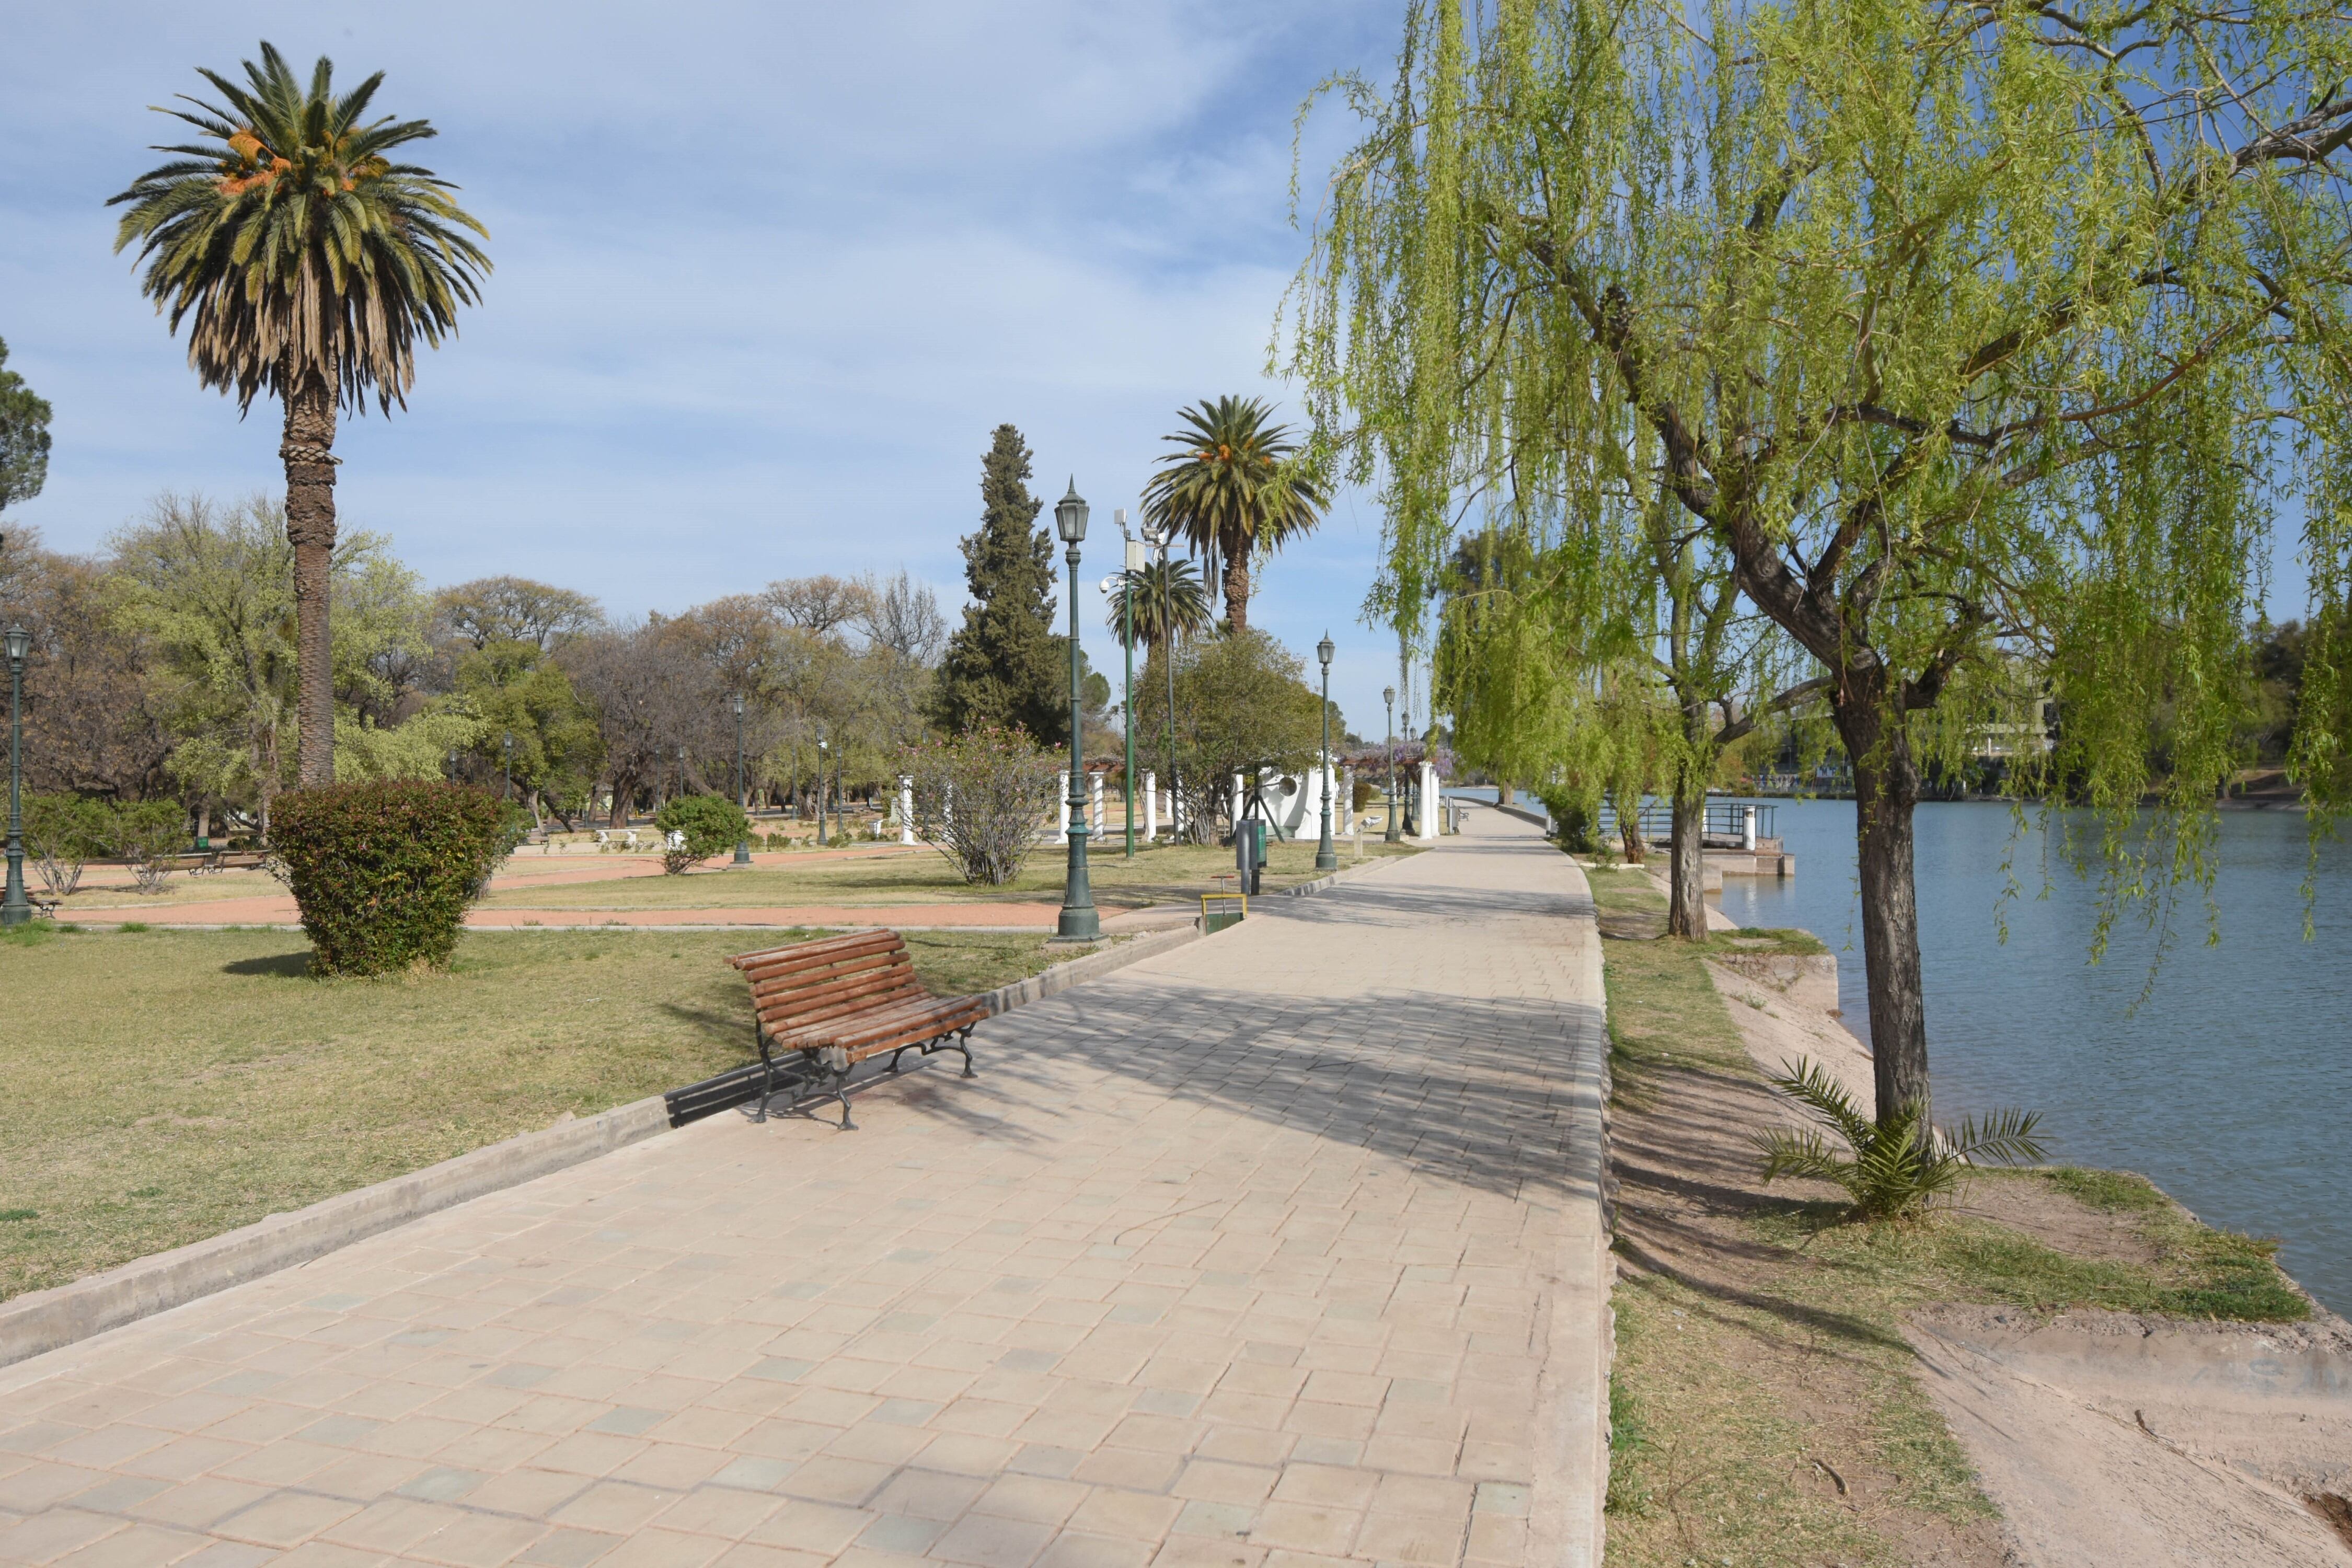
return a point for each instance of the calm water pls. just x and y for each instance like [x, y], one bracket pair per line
[2230, 1082]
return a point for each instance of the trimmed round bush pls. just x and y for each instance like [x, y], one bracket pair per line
[384, 870]
[708, 824]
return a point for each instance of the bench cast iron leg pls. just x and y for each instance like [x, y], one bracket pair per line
[963, 1044]
[840, 1080]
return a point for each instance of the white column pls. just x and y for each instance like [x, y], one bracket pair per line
[1345, 804]
[1096, 819]
[1175, 809]
[906, 809]
[1747, 828]
[1430, 806]
[1150, 808]
[1237, 803]
[1063, 805]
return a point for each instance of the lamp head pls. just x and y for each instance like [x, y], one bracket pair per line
[739, 705]
[1388, 695]
[20, 643]
[1070, 515]
[1323, 650]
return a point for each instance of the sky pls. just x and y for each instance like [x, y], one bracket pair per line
[768, 275]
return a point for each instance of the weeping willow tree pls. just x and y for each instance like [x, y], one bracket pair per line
[1975, 338]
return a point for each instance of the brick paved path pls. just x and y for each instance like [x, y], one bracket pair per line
[1249, 1254]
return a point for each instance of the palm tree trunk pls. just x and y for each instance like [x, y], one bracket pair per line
[1237, 583]
[308, 452]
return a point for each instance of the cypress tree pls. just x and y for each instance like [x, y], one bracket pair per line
[1004, 665]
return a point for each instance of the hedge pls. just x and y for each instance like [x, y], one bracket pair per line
[384, 871]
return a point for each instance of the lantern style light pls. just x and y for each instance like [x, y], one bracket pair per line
[1070, 516]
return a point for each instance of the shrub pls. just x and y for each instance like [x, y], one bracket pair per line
[979, 798]
[148, 833]
[384, 870]
[65, 832]
[1895, 1167]
[1572, 819]
[704, 825]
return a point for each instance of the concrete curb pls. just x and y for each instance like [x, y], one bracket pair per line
[47, 1319]
[1572, 1515]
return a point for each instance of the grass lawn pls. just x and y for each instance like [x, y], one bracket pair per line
[1160, 874]
[1763, 1399]
[165, 1086]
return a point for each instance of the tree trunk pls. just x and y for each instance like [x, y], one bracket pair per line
[1686, 858]
[1629, 829]
[308, 452]
[1886, 792]
[1237, 583]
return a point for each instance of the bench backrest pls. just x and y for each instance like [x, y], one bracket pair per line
[813, 983]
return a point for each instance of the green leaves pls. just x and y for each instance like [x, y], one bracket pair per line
[301, 251]
[1894, 1168]
[24, 436]
[383, 873]
[707, 822]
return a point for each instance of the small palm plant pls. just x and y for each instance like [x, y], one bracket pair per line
[1168, 599]
[1892, 1169]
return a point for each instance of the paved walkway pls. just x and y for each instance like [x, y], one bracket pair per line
[1272, 1249]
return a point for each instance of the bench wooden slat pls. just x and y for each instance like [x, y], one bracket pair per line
[840, 1000]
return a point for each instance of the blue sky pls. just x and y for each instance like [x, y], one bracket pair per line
[767, 277]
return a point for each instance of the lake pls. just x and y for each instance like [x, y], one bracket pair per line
[2228, 1084]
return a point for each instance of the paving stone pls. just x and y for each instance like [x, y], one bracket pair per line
[1233, 1257]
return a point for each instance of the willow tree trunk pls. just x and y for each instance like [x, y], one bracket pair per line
[309, 453]
[1237, 583]
[1885, 795]
[1686, 857]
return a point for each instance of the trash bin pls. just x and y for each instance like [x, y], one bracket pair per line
[1249, 851]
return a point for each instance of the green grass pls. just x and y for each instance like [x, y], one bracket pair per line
[166, 1086]
[1164, 873]
[1708, 1463]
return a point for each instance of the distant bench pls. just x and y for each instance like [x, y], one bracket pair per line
[820, 1008]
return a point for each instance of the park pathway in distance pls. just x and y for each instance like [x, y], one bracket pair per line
[1283, 1247]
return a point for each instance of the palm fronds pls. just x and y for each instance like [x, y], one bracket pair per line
[1168, 598]
[294, 244]
[1235, 485]
[1893, 1168]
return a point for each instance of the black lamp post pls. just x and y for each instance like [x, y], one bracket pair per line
[743, 845]
[506, 763]
[1327, 858]
[1079, 922]
[1394, 835]
[15, 908]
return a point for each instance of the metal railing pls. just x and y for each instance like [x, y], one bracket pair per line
[1724, 826]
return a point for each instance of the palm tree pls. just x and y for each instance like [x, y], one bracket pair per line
[1234, 484]
[1168, 597]
[309, 264]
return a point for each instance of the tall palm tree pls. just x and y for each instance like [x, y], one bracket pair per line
[1169, 597]
[1235, 486]
[309, 264]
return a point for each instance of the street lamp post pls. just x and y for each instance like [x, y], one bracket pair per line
[506, 763]
[1395, 834]
[15, 908]
[1078, 922]
[743, 845]
[1126, 640]
[1327, 858]
[1159, 538]
[822, 752]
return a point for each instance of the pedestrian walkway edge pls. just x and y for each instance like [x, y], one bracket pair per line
[43, 1320]
[1583, 1329]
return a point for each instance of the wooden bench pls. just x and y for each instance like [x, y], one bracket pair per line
[837, 1001]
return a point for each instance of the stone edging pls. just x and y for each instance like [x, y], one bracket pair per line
[47, 1319]
[1575, 1435]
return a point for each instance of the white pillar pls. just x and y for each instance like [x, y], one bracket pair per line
[1096, 819]
[906, 809]
[1430, 806]
[1237, 803]
[1747, 828]
[1150, 808]
[1175, 809]
[1345, 804]
[1063, 805]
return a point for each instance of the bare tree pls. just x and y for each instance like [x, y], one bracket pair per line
[903, 615]
[515, 609]
[819, 605]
